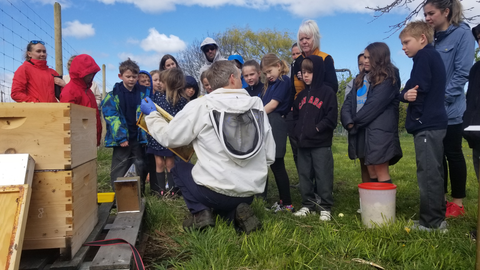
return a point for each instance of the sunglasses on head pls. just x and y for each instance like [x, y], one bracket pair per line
[209, 48]
[37, 41]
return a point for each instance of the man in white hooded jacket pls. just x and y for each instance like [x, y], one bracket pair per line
[233, 141]
[212, 54]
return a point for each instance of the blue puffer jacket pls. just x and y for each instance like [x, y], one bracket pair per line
[115, 122]
[456, 46]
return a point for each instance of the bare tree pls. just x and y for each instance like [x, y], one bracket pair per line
[382, 10]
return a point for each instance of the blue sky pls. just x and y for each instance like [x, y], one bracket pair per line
[112, 30]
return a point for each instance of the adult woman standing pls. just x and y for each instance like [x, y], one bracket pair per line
[455, 43]
[309, 43]
[168, 62]
[34, 81]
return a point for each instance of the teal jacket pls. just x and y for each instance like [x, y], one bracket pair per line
[115, 122]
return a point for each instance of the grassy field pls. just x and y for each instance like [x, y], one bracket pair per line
[287, 242]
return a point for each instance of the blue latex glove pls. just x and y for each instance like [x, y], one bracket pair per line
[147, 106]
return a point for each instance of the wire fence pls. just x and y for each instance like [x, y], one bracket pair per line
[19, 24]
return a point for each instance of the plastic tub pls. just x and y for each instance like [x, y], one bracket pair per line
[377, 203]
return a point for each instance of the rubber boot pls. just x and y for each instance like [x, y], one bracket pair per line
[159, 186]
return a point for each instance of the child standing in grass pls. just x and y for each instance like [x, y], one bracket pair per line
[372, 119]
[150, 158]
[315, 111]
[276, 101]
[172, 102]
[121, 109]
[426, 120]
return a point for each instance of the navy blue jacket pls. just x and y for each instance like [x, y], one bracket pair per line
[427, 112]
[256, 90]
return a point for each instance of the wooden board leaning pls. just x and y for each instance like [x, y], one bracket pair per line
[14, 201]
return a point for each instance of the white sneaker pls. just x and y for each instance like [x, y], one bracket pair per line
[303, 212]
[325, 216]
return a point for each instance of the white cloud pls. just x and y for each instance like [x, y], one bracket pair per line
[78, 30]
[162, 43]
[305, 8]
[133, 41]
[111, 67]
[145, 61]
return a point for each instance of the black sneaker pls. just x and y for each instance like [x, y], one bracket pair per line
[199, 221]
[246, 220]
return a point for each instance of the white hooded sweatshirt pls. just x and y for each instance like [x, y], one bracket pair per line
[217, 168]
[207, 63]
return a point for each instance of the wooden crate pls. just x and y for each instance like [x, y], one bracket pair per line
[63, 209]
[56, 135]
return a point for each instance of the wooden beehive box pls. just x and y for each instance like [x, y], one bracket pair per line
[56, 135]
[63, 209]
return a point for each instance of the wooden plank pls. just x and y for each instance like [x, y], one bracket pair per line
[14, 201]
[77, 260]
[56, 135]
[125, 226]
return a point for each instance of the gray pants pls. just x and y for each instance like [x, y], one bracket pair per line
[321, 160]
[429, 156]
[124, 157]
[476, 157]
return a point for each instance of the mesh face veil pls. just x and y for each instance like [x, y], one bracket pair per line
[241, 134]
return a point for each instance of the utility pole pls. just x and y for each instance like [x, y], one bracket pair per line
[57, 10]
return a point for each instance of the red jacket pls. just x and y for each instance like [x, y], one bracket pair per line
[77, 91]
[33, 82]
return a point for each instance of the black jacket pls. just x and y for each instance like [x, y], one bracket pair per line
[256, 90]
[379, 118]
[472, 114]
[315, 110]
[427, 112]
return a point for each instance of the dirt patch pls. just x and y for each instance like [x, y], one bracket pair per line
[160, 250]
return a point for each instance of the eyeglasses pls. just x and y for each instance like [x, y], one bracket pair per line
[37, 41]
[208, 48]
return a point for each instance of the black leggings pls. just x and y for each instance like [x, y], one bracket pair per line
[456, 162]
[281, 178]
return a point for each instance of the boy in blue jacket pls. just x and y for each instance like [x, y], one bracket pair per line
[315, 112]
[426, 120]
[121, 109]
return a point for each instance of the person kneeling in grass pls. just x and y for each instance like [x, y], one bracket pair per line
[234, 144]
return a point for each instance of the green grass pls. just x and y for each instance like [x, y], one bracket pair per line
[287, 242]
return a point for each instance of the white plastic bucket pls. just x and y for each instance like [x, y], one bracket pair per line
[377, 203]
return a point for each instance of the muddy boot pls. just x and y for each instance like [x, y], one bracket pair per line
[199, 221]
[246, 220]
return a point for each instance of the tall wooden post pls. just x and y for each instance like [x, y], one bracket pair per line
[104, 93]
[104, 88]
[57, 9]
